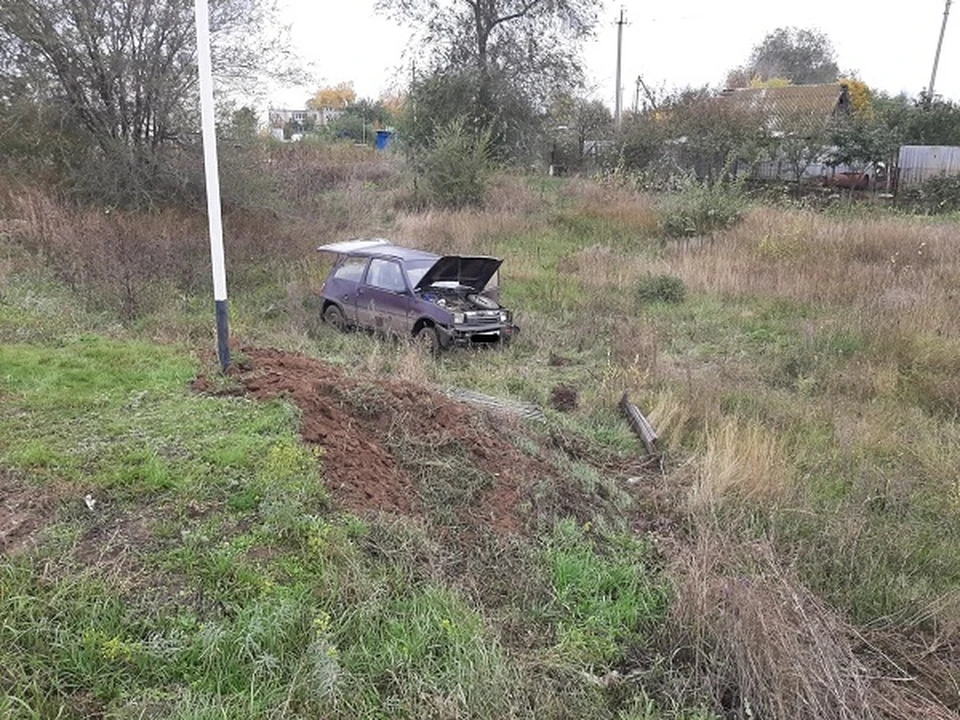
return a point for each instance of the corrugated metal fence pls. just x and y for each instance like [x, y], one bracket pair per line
[922, 162]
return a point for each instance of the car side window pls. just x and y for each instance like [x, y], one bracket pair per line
[350, 269]
[386, 275]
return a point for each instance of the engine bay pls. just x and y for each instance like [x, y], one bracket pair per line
[458, 299]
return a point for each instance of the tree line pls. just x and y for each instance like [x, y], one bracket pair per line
[102, 94]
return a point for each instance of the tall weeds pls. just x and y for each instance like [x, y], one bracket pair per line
[765, 647]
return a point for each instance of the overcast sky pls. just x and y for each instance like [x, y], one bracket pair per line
[890, 43]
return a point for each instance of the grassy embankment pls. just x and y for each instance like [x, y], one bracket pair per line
[805, 389]
[212, 577]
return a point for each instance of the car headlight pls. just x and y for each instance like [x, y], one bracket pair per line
[458, 318]
[504, 316]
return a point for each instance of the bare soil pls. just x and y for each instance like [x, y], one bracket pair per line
[357, 421]
[564, 398]
[24, 511]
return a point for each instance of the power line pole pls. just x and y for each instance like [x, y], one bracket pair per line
[936, 58]
[618, 111]
[636, 97]
[413, 85]
[212, 173]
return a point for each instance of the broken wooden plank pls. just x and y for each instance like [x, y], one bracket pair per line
[640, 425]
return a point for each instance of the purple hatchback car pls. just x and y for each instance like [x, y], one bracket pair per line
[440, 301]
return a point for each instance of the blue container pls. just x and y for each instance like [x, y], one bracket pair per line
[383, 138]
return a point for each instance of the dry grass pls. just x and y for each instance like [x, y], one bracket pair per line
[600, 266]
[903, 271]
[898, 270]
[307, 170]
[136, 263]
[463, 231]
[626, 208]
[744, 463]
[766, 647]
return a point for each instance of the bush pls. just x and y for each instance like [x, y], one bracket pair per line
[701, 209]
[662, 288]
[456, 169]
[937, 195]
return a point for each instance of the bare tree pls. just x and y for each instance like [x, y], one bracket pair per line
[126, 69]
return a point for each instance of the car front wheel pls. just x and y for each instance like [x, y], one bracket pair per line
[333, 316]
[428, 340]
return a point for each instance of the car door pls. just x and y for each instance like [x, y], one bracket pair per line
[343, 284]
[383, 298]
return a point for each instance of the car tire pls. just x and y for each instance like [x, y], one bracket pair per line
[333, 316]
[428, 339]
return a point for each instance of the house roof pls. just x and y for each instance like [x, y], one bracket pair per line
[791, 105]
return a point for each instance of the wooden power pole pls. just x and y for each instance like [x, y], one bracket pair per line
[618, 106]
[936, 57]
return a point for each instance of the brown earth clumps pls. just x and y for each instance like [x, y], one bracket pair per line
[361, 423]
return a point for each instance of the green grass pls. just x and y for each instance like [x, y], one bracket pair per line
[602, 594]
[120, 415]
[214, 580]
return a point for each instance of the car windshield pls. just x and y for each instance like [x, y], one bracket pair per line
[416, 269]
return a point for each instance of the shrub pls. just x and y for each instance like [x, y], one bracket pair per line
[456, 169]
[660, 288]
[936, 195]
[701, 209]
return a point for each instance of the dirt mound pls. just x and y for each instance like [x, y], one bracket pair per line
[398, 447]
[564, 398]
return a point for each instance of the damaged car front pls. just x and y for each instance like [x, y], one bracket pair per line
[453, 291]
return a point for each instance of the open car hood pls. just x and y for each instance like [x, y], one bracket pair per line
[472, 272]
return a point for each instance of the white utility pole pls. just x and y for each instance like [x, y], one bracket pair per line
[212, 173]
[618, 106]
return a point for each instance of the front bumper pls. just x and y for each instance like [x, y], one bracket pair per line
[462, 335]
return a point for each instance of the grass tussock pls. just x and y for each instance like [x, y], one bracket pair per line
[743, 463]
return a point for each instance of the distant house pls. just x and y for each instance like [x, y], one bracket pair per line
[791, 108]
[796, 115]
[300, 121]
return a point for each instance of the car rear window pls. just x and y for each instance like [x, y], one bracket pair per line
[350, 269]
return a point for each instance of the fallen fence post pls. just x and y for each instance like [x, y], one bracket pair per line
[640, 425]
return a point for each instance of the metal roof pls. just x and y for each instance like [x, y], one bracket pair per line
[790, 106]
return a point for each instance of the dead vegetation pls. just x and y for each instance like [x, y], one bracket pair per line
[765, 646]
